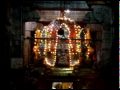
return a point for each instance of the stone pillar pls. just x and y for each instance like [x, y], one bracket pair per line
[107, 37]
[27, 48]
[28, 27]
[100, 15]
[98, 29]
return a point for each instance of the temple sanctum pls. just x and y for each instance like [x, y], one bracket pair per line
[60, 44]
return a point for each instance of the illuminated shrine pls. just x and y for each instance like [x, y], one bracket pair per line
[62, 43]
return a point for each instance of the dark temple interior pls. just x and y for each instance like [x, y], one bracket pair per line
[60, 44]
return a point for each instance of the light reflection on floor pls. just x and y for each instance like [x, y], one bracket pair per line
[62, 85]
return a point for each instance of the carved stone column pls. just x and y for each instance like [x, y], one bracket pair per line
[27, 48]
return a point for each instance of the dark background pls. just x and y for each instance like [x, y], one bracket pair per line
[110, 72]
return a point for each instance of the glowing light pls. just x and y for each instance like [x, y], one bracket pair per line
[73, 46]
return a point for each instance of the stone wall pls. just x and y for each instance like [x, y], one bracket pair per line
[100, 20]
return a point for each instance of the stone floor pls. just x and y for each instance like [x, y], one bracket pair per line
[36, 79]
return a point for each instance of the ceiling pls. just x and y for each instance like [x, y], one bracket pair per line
[47, 15]
[50, 10]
